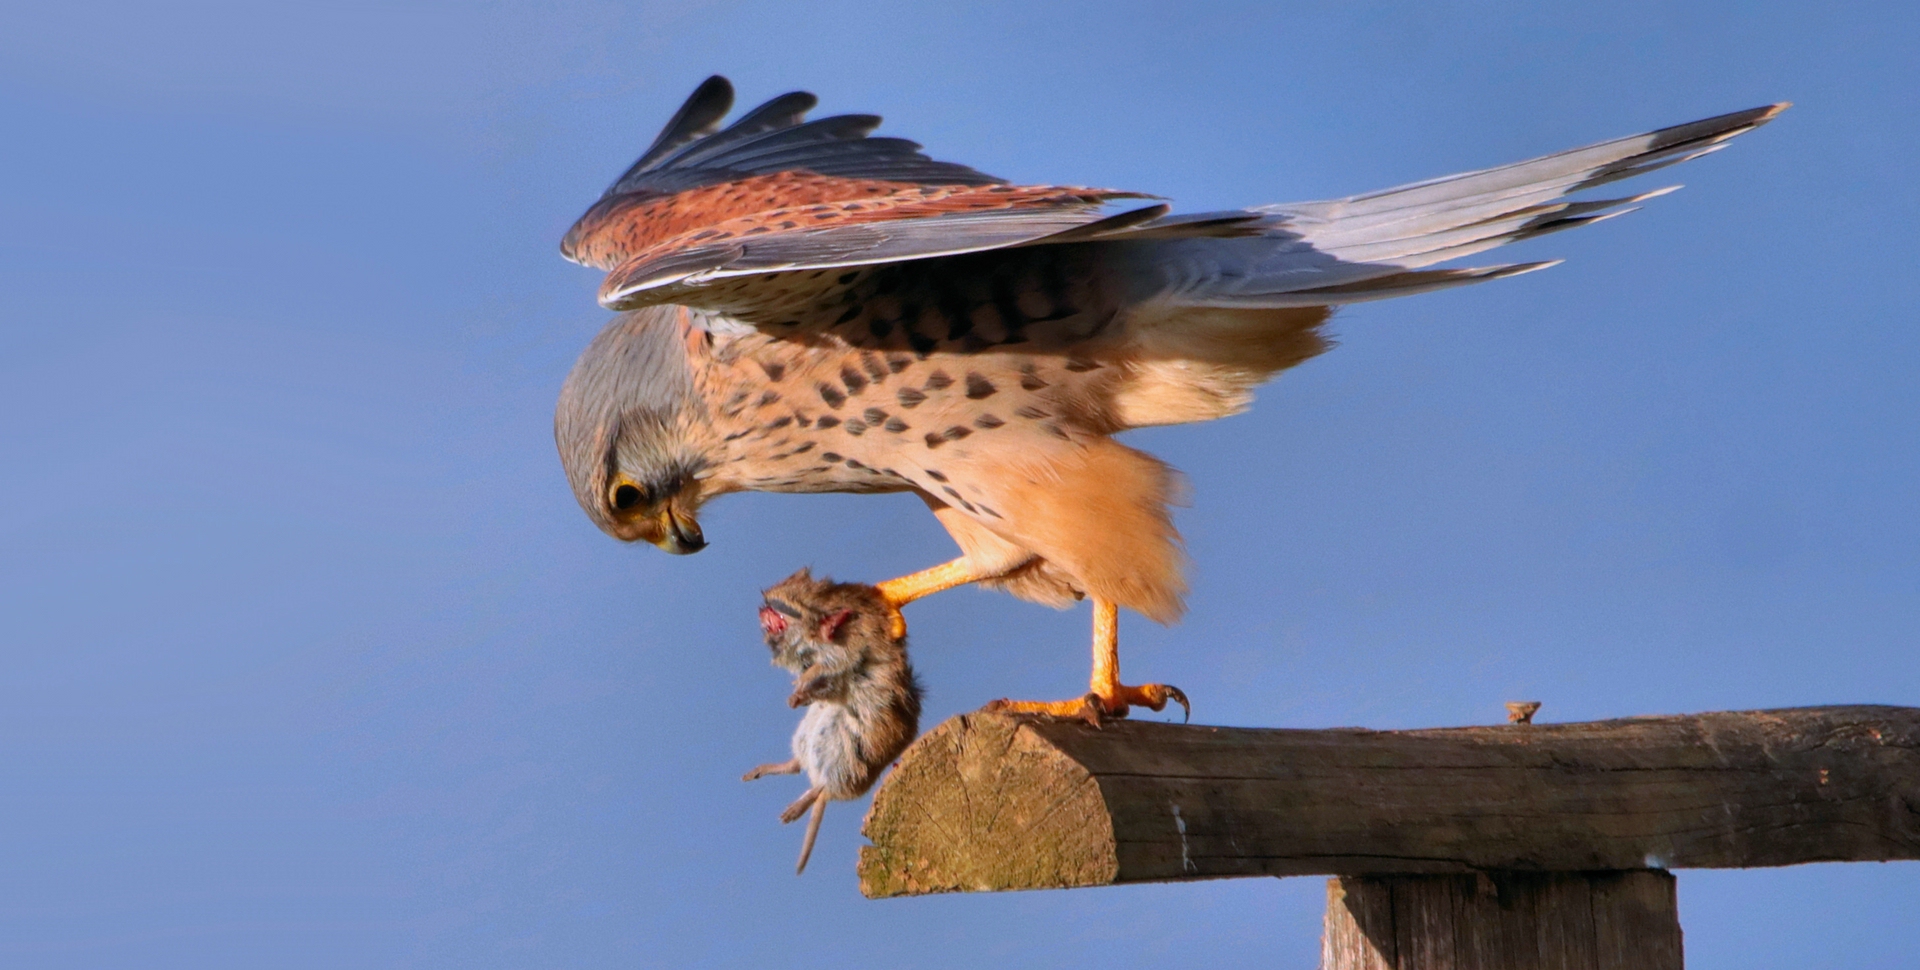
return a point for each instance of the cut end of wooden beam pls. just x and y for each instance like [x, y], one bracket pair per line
[984, 804]
[990, 802]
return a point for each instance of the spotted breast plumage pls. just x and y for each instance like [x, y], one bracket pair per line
[808, 308]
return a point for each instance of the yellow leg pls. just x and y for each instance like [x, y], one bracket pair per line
[1106, 695]
[926, 582]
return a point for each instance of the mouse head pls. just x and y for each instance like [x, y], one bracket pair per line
[779, 619]
[803, 617]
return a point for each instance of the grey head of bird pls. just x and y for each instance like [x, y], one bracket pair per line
[626, 427]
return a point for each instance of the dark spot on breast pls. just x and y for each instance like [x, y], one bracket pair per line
[959, 323]
[826, 421]
[987, 422]
[874, 415]
[921, 343]
[909, 398]
[898, 362]
[989, 510]
[852, 311]
[850, 377]
[1026, 411]
[774, 371]
[779, 423]
[737, 435]
[912, 320]
[855, 427]
[756, 230]
[846, 278]
[978, 387]
[805, 447]
[939, 381]
[1054, 429]
[1081, 364]
[1030, 381]
[896, 425]
[1005, 303]
[831, 395]
[934, 474]
[829, 456]
[768, 398]
[784, 224]
[850, 463]
[934, 440]
[874, 368]
[880, 329]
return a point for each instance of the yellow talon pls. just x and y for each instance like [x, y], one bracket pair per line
[1108, 697]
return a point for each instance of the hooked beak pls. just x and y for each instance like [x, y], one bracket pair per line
[679, 533]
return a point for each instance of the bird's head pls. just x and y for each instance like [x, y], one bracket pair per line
[627, 427]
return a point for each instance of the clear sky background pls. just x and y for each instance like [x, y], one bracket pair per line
[310, 660]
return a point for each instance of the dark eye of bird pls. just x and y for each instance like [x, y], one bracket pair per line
[626, 497]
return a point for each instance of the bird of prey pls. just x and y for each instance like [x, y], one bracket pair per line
[807, 308]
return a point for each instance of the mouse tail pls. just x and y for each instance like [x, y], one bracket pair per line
[813, 831]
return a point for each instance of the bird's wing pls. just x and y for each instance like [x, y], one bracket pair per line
[1380, 245]
[750, 219]
[774, 193]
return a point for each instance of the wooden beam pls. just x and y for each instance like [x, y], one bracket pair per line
[996, 801]
[1506, 921]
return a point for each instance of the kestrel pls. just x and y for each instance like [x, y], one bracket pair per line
[807, 308]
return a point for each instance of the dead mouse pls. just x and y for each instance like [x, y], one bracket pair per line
[862, 700]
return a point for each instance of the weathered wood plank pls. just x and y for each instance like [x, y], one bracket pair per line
[1506, 921]
[994, 801]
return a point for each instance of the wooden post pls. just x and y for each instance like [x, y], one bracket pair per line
[1504, 921]
[994, 801]
[1488, 848]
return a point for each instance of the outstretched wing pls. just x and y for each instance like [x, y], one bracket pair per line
[774, 192]
[747, 220]
[1379, 245]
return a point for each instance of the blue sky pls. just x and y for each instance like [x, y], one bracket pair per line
[311, 660]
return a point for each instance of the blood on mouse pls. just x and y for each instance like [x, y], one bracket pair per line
[852, 675]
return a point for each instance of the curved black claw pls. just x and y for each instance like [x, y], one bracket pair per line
[1090, 711]
[1186, 709]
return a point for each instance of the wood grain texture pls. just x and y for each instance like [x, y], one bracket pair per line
[1503, 921]
[998, 802]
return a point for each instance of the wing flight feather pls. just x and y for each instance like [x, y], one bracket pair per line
[774, 193]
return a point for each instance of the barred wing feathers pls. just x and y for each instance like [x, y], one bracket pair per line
[1378, 245]
[774, 193]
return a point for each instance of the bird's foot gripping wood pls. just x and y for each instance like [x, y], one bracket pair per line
[1108, 697]
[1096, 709]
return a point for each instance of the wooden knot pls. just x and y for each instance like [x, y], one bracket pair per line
[1521, 712]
